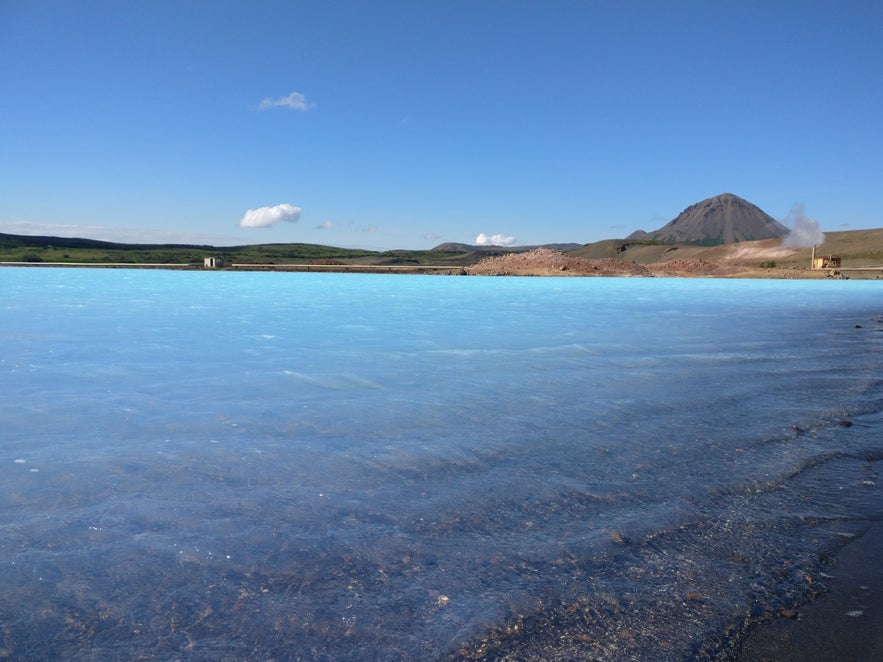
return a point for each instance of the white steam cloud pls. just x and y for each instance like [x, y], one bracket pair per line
[264, 217]
[805, 232]
[494, 240]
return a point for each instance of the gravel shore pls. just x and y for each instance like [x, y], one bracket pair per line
[845, 624]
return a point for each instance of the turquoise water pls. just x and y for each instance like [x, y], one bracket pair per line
[212, 465]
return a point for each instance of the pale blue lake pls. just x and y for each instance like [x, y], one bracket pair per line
[256, 466]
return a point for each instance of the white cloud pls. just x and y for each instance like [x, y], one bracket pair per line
[494, 240]
[294, 101]
[264, 217]
[325, 225]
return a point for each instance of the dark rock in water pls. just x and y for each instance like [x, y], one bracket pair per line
[723, 219]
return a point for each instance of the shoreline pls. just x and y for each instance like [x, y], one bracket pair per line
[845, 623]
[293, 268]
[735, 272]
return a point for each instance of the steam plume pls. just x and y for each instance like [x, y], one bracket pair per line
[805, 232]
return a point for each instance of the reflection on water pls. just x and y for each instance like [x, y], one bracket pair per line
[275, 466]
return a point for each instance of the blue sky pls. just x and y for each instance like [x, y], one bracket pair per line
[407, 124]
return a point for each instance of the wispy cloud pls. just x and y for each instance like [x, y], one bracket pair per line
[494, 240]
[325, 225]
[294, 101]
[264, 217]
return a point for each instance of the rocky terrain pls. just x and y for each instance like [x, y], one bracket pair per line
[691, 267]
[731, 263]
[546, 262]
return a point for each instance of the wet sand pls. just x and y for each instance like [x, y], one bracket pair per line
[843, 625]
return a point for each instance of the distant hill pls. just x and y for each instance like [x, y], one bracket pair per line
[19, 240]
[34, 248]
[723, 219]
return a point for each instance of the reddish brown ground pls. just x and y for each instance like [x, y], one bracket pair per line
[692, 267]
[546, 262]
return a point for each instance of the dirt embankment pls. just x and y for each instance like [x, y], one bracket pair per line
[546, 262]
[693, 267]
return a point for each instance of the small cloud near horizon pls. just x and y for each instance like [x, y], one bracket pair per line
[265, 217]
[294, 101]
[494, 240]
[325, 225]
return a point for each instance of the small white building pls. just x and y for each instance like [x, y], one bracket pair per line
[213, 263]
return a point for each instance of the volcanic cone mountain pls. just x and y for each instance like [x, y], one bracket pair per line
[723, 219]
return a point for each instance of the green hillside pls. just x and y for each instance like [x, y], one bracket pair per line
[23, 248]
